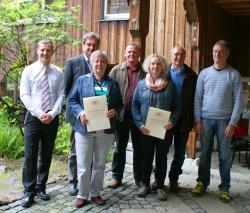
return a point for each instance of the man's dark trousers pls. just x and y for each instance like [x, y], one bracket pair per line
[72, 164]
[35, 133]
[119, 157]
[180, 141]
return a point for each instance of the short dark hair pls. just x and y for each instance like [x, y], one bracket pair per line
[91, 35]
[134, 44]
[46, 41]
[223, 43]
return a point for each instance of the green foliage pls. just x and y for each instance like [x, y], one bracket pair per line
[14, 111]
[23, 23]
[11, 139]
[62, 144]
[110, 155]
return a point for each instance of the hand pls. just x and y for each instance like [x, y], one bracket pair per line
[46, 118]
[230, 130]
[169, 125]
[83, 119]
[144, 130]
[111, 113]
[199, 127]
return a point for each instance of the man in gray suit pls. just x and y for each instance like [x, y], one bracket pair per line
[75, 67]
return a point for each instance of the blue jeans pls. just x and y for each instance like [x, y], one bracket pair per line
[214, 127]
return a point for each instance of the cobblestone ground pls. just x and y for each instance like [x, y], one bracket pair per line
[124, 199]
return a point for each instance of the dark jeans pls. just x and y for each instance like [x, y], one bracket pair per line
[158, 147]
[36, 133]
[121, 137]
[180, 142]
[72, 165]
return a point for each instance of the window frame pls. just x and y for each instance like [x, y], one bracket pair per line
[115, 16]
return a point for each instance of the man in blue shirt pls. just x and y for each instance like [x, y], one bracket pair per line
[184, 79]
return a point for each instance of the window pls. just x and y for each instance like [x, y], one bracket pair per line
[116, 10]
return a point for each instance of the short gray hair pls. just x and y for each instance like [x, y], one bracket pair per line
[98, 53]
[91, 35]
[163, 62]
[178, 47]
[45, 41]
[222, 43]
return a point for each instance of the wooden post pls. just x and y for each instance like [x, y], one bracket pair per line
[191, 145]
[139, 22]
[192, 17]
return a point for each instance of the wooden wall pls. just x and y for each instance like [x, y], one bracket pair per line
[214, 24]
[167, 27]
[241, 45]
[114, 34]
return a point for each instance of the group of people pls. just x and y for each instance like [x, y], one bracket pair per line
[212, 105]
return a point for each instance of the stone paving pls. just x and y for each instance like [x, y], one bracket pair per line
[124, 199]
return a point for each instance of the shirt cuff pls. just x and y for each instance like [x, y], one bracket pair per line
[80, 114]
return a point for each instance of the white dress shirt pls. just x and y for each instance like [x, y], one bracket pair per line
[88, 62]
[31, 89]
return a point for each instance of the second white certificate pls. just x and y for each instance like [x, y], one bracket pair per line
[155, 122]
[95, 109]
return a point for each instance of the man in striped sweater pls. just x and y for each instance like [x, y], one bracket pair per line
[217, 109]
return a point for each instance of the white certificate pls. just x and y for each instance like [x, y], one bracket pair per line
[95, 109]
[156, 120]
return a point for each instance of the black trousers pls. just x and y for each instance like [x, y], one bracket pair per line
[121, 137]
[72, 164]
[37, 134]
[180, 142]
[160, 148]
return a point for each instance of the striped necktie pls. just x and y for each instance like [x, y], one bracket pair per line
[45, 91]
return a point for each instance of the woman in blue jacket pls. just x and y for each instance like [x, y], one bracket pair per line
[154, 91]
[92, 147]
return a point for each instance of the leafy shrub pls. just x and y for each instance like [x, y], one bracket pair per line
[11, 139]
[62, 144]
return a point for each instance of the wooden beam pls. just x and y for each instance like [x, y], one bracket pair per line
[191, 8]
[231, 1]
[139, 21]
[240, 6]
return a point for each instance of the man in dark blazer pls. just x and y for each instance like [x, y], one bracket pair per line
[184, 78]
[75, 67]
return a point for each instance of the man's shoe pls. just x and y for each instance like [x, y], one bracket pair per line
[80, 202]
[72, 190]
[42, 195]
[224, 197]
[27, 201]
[174, 186]
[199, 189]
[154, 187]
[114, 184]
[145, 190]
[161, 195]
[139, 183]
[98, 200]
